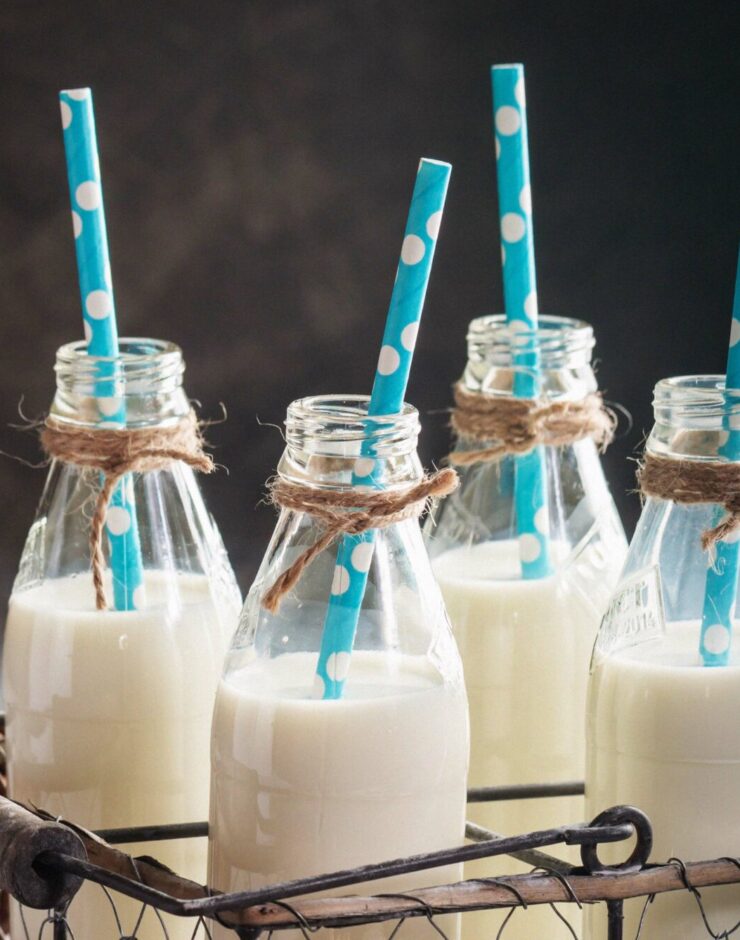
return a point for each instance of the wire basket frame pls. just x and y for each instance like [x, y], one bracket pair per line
[39, 862]
[269, 911]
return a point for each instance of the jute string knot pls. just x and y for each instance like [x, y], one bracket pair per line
[518, 425]
[116, 452]
[695, 481]
[348, 512]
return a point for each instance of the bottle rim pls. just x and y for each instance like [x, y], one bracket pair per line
[694, 396]
[559, 341]
[139, 357]
[339, 426]
[694, 415]
[141, 386]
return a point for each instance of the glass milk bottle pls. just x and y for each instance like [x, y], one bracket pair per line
[303, 785]
[525, 644]
[109, 711]
[663, 728]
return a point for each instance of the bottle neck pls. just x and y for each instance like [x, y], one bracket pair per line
[695, 419]
[332, 443]
[502, 354]
[141, 387]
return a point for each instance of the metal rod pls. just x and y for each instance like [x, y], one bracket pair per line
[570, 835]
[526, 791]
[153, 833]
[196, 830]
[615, 914]
[532, 857]
[504, 892]
[60, 926]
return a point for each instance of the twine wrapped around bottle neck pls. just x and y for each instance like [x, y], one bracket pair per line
[517, 425]
[340, 514]
[695, 481]
[116, 452]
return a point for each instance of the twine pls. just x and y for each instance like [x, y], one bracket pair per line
[518, 425]
[340, 515]
[694, 481]
[115, 453]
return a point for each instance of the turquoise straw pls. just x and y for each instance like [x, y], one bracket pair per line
[355, 552]
[721, 585]
[520, 296]
[99, 319]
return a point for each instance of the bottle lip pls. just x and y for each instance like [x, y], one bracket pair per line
[695, 388]
[693, 417]
[558, 341]
[140, 386]
[345, 417]
[683, 398]
[339, 426]
[136, 355]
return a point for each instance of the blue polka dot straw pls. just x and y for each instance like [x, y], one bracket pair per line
[520, 296]
[99, 320]
[722, 575]
[355, 553]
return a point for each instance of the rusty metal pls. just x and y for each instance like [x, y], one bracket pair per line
[526, 791]
[256, 914]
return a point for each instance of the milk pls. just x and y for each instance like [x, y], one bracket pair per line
[664, 735]
[303, 786]
[108, 722]
[525, 647]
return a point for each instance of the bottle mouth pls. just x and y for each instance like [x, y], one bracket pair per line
[339, 426]
[142, 385]
[560, 342]
[701, 398]
[694, 415]
[140, 361]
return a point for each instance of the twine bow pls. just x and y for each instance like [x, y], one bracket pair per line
[116, 452]
[340, 515]
[518, 425]
[695, 481]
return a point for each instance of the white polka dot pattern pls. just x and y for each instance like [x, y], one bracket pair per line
[408, 336]
[364, 466]
[99, 304]
[99, 324]
[87, 195]
[517, 256]
[412, 250]
[513, 227]
[118, 520]
[354, 555]
[720, 591]
[388, 361]
[340, 581]
[362, 556]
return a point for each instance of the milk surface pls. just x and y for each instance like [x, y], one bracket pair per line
[664, 735]
[303, 786]
[108, 722]
[525, 647]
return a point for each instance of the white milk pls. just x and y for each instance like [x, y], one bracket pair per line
[664, 735]
[303, 786]
[525, 647]
[108, 723]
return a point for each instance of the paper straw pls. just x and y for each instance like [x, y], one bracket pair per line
[721, 586]
[520, 296]
[389, 388]
[99, 320]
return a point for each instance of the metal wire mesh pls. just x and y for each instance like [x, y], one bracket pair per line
[56, 924]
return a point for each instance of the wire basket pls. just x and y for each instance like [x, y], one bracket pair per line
[44, 861]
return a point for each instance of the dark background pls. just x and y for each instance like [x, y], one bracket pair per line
[257, 162]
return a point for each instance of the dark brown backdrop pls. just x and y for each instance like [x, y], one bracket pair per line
[257, 162]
